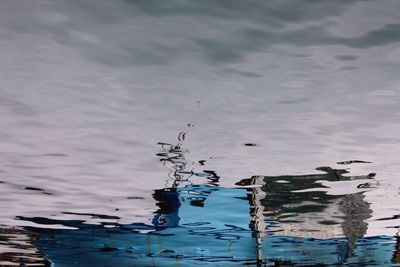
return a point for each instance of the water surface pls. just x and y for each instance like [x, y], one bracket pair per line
[199, 132]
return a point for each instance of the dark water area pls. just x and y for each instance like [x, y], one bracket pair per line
[199, 133]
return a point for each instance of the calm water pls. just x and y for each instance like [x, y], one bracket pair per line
[181, 133]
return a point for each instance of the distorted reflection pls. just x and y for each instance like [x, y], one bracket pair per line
[298, 206]
[167, 198]
[16, 248]
[266, 220]
[396, 253]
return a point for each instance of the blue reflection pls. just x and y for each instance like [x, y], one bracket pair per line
[215, 233]
[268, 220]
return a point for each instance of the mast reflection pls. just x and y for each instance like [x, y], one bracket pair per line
[396, 253]
[168, 198]
[292, 221]
[298, 206]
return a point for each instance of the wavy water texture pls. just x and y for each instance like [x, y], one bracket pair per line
[244, 99]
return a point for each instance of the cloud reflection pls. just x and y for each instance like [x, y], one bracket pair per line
[141, 33]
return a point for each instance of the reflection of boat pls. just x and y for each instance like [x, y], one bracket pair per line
[215, 233]
[16, 248]
[204, 224]
[297, 206]
[396, 254]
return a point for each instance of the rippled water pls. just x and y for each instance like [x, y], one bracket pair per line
[151, 133]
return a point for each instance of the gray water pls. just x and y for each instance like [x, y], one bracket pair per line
[89, 88]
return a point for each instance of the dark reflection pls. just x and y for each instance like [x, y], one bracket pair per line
[292, 221]
[168, 202]
[347, 162]
[354, 226]
[16, 248]
[298, 206]
[167, 198]
[396, 253]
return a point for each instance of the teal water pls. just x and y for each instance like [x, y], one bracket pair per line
[209, 235]
[183, 133]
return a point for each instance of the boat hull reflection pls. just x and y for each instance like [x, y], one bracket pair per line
[205, 225]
